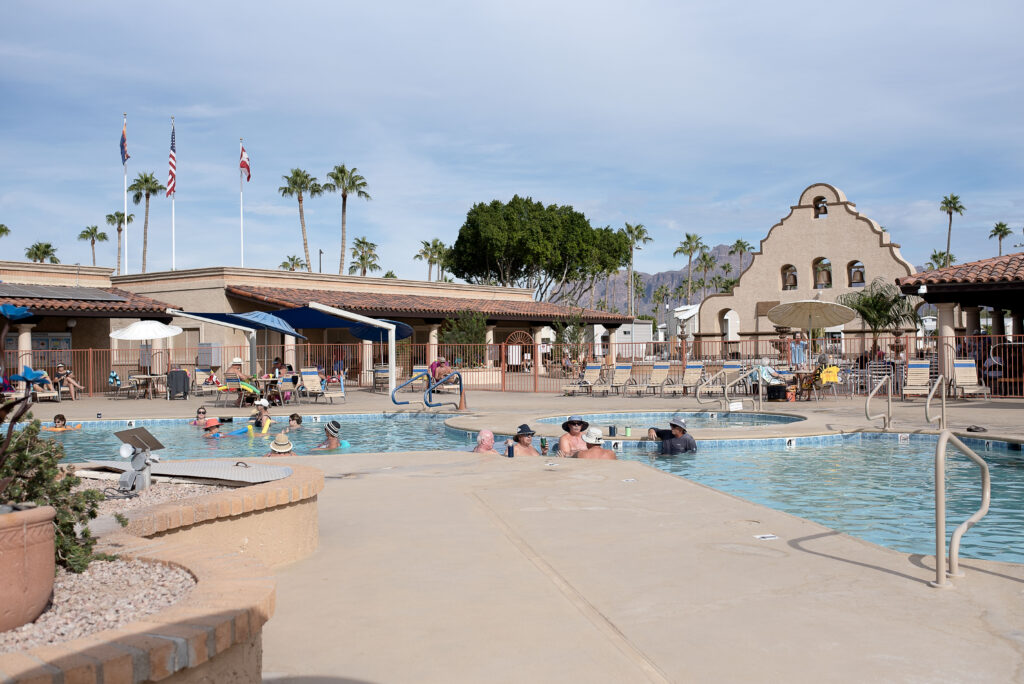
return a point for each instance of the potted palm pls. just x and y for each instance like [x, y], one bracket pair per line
[882, 306]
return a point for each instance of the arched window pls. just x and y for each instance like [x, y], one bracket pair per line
[855, 274]
[820, 208]
[789, 277]
[822, 270]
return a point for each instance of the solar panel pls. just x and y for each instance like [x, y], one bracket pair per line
[89, 294]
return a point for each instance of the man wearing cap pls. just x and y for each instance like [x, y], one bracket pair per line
[572, 442]
[440, 368]
[281, 446]
[523, 443]
[675, 440]
[331, 441]
[592, 438]
[234, 372]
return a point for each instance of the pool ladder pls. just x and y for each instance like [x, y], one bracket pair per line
[887, 416]
[941, 573]
[725, 400]
[941, 418]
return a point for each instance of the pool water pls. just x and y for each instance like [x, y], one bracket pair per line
[639, 422]
[874, 488]
[365, 433]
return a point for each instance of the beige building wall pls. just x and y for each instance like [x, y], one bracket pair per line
[68, 275]
[843, 236]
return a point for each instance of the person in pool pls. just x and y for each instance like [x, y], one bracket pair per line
[572, 442]
[592, 438]
[60, 424]
[281, 446]
[523, 443]
[294, 423]
[200, 420]
[331, 441]
[262, 418]
[485, 443]
[675, 440]
[212, 429]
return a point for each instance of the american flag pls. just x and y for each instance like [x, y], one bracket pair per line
[172, 174]
[243, 164]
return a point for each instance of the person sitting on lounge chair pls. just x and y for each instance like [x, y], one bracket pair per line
[64, 379]
[440, 369]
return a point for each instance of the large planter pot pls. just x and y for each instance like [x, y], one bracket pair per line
[26, 565]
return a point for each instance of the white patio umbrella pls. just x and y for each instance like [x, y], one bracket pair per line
[810, 313]
[146, 330]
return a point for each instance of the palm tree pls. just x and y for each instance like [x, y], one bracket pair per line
[939, 259]
[426, 253]
[145, 185]
[706, 262]
[1000, 231]
[41, 252]
[726, 269]
[441, 258]
[951, 205]
[297, 183]
[93, 235]
[740, 247]
[638, 284]
[638, 237]
[291, 263]
[347, 182]
[389, 274]
[690, 246]
[882, 306]
[364, 256]
[660, 296]
[679, 293]
[4, 230]
[117, 219]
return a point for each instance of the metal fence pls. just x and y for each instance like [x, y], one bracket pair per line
[998, 361]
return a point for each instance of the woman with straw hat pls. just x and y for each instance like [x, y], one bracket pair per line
[281, 446]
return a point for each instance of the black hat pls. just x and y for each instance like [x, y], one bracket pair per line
[575, 419]
[333, 428]
[524, 429]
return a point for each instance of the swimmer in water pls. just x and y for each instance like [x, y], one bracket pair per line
[331, 441]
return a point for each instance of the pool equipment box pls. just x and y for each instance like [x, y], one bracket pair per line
[137, 445]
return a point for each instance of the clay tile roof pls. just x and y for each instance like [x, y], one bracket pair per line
[379, 304]
[1008, 268]
[133, 306]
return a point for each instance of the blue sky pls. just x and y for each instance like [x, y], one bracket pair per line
[707, 118]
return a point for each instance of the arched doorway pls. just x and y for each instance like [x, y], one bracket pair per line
[519, 351]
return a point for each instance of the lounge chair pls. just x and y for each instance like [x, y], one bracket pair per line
[380, 378]
[918, 381]
[421, 383]
[235, 386]
[591, 376]
[335, 391]
[52, 395]
[692, 375]
[965, 378]
[200, 387]
[655, 383]
[310, 383]
[621, 377]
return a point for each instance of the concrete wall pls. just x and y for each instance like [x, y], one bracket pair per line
[28, 273]
[842, 237]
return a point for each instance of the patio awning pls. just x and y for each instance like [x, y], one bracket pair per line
[309, 318]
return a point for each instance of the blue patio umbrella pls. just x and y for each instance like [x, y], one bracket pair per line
[364, 331]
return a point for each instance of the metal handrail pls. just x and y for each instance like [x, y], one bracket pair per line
[414, 378]
[743, 376]
[927, 404]
[887, 416]
[940, 510]
[428, 393]
[707, 383]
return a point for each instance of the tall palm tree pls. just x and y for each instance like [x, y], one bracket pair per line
[426, 253]
[881, 306]
[726, 269]
[690, 246]
[364, 256]
[4, 230]
[1000, 231]
[42, 252]
[660, 296]
[706, 262]
[145, 185]
[291, 263]
[938, 260]
[117, 219]
[93, 235]
[679, 293]
[638, 286]
[951, 205]
[347, 182]
[297, 183]
[740, 247]
[441, 257]
[638, 237]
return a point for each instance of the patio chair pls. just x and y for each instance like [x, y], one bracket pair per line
[335, 392]
[380, 377]
[52, 395]
[622, 376]
[734, 371]
[965, 378]
[234, 387]
[309, 383]
[692, 375]
[655, 383]
[199, 384]
[421, 383]
[591, 376]
[918, 381]
[284, 390]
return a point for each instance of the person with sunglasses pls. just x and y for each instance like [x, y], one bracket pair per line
[571, 443]
[200, 420]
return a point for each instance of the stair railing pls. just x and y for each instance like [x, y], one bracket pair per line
[887, 416]
[723, 401]
[941, 418]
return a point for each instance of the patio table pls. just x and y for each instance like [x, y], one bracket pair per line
[147, 381]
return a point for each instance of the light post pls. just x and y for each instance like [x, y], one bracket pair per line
[321, 269]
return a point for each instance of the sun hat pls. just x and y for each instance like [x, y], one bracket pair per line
[524, 430]
[575, 419]
[333, 428]
[262, 402]
[281, 444]
[237, 360]
[60, 365]
[211, 423]
[679, 422]
[593, 436]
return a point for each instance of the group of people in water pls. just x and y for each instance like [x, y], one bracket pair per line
[261, 422]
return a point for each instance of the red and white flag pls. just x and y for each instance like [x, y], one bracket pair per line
[243, 164]
[172, 174]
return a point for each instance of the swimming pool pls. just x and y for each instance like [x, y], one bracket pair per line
[639, 422]
[868, 485]
[379, 432]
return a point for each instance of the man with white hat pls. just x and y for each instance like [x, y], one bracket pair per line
[675, 440]
[592, 438]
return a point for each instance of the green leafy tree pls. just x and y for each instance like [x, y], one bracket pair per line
[41, 252]
[638, 286]
[347, 182]
[1000, 231]
[291, 263]
[881, 306]
[706, 263]
[939, 260]
[951, 205]
[638, 237]
[117, 219]
[364, 257]
[390, 274]
[740, 247]
[4, 230]
[692, 244]
[145, 185]
[300, 184]
[726, 269]
[467, 335]
[93, 234]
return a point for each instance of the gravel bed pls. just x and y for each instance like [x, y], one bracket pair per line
[157, 493]
[109, 594]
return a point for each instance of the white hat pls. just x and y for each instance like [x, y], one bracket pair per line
[262, 402]
[678, 422]
[237, 360]
[593, 436]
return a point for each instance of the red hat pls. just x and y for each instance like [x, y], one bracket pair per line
[211, 423]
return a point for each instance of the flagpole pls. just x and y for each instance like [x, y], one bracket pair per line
[173, 195]
[241, 215]
[125, 165]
